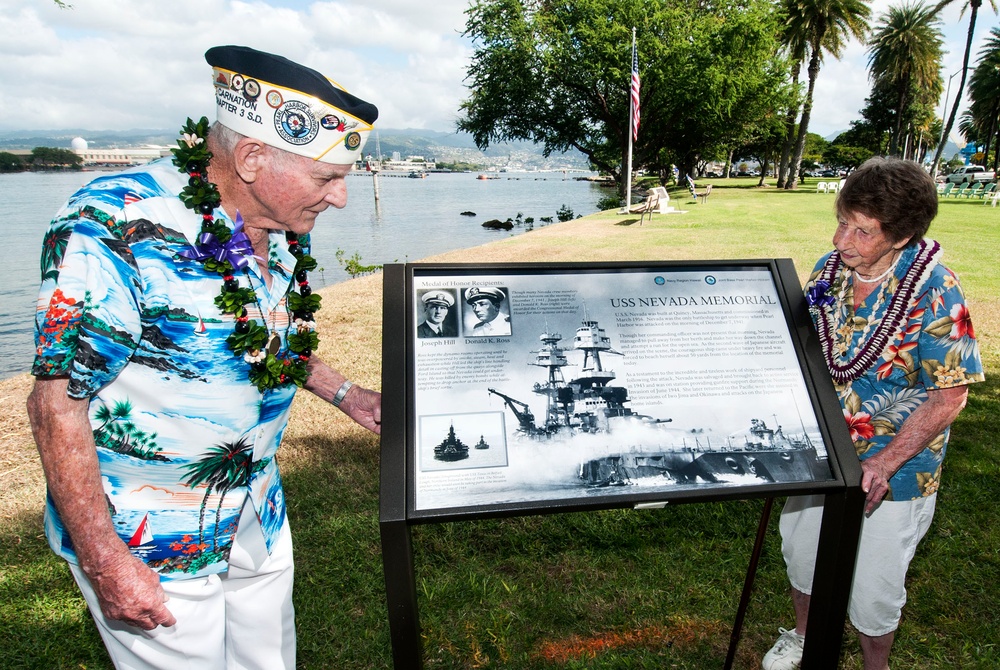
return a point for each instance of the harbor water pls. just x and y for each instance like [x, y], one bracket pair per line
[414, 219]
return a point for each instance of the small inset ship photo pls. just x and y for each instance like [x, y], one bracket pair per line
[462, 441]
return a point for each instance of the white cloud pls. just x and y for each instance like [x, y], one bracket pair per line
[120, 64]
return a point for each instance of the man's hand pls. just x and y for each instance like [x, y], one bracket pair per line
[364, 406]
[127, 589]
[361, 404]
[130, 592]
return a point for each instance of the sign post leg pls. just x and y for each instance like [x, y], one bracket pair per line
[401, 595]
[835, 559]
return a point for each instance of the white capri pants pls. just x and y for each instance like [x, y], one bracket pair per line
[242, 619]
[889, 538]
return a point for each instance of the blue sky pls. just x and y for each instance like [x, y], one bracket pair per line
[121, 64]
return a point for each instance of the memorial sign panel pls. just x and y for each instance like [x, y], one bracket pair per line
[568, 385]
[528, 388]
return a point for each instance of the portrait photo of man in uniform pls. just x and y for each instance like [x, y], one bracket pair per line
[485, 311]
[439, 320]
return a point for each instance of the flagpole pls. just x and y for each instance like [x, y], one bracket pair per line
[631, 102]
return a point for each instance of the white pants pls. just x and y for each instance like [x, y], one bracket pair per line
[237, 620]
[889, 538]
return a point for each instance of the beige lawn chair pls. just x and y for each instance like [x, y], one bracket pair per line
[993, 198]
[695, 193]
[657, 202]
[647, 206]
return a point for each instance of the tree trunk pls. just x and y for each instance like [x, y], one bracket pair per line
[786, 147]
[974, 4]
[763, 169]
[800, 144]
[995, 132]
[897, 135]
[990, 133]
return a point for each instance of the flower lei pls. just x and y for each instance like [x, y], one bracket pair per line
[224, 252]
[828, 312]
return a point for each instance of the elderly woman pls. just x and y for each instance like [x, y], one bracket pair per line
[897, 338]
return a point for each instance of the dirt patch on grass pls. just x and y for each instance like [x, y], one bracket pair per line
[22, 485]
[680, 632]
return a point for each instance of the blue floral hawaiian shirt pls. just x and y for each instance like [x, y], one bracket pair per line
[183, 438]
[935, 347]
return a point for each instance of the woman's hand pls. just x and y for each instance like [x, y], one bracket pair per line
[875, 478]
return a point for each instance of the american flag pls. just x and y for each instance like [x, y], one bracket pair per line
[635, 93]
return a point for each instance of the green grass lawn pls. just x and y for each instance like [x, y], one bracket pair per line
[612, 589]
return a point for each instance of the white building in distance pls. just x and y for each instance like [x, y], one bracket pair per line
[117, 157]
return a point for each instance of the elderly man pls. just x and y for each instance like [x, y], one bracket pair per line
[486, 302]
[174, 326]
[437, 321]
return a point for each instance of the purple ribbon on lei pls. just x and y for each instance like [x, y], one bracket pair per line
[817, 295]
[237, 250]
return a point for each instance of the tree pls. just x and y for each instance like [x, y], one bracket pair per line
[119, 433]
[904, 54]
[984, 92]
[825, 25]
[765, 145]
[814, 148]
[224, 467]
[878, 119]
[48, 157]
[557, 73]
[845, 157]
[10, 162]
[950, 123]
[797, 46]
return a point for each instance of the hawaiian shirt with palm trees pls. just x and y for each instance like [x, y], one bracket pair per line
[935, 347]
[182, 436]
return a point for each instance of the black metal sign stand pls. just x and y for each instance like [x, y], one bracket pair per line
[839, 533]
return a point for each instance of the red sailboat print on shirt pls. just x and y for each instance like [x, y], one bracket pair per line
[143, 535]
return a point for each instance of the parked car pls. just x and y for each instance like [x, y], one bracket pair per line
[970, 173]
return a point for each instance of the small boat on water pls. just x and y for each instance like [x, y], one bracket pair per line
[143, 535]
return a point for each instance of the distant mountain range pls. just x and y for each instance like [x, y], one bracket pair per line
[431, 144]
[450, 147]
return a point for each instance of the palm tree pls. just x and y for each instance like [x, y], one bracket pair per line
[798, 48]
[984, 92]
[974, 5]
[904, 53]
[119, 433]
[225, 467]
[825, 25]
[53, 248]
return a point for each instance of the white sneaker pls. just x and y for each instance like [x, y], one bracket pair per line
[786, 654]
